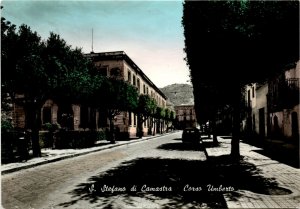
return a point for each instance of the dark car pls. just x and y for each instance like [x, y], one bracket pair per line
[191, 135]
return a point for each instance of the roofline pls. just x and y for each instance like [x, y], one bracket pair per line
[122, 55]
[185, 105]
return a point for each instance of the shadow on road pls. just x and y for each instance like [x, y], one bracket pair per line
[169, 178]
[209, 144]
[177, 139]
[182, 146]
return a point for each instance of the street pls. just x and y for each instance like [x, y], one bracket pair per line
[158, 173]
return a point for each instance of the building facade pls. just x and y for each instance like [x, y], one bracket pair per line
[185, 116]
[118, 64]
[83, 117]
[272, 108]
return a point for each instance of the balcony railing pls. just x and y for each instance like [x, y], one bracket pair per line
[283, 95]
[293, 83]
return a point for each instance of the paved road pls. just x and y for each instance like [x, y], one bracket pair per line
[97, 180]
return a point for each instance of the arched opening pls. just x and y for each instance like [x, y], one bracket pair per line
[65, 117]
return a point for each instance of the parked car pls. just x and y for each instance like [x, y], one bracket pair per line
[191, 135]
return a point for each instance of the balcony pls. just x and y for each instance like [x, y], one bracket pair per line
[293, 84]
[283, 94]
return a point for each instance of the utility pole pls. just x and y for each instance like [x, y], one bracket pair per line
[92, 40]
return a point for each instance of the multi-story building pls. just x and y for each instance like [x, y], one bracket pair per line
[272, 108]
[118, 64]
[257, 117]
[185, 116]
[84, 117]
[283, 103]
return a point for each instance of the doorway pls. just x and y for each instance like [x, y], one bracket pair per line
[262, 131]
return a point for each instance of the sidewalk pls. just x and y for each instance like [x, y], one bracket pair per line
[285, 178]
[53, 155]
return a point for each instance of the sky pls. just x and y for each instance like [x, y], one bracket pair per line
[149, 32]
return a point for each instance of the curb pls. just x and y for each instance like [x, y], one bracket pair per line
[79, 154]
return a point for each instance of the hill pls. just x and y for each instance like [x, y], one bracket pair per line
[179, 94]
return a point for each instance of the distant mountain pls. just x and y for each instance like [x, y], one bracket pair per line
[179, 94]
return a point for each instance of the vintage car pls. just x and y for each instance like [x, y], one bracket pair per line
[191, 135]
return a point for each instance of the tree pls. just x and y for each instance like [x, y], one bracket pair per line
[116, 96]
[39, 70]
[167, 117]
[72, 77]
[225, 51]
[158, 115]
[145, 109]
[23, 74]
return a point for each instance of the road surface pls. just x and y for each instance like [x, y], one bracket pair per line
[157, 173]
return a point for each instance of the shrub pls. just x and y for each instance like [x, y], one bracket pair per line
[46, 139]
[51, 127]
[6, 126]
[101, 135]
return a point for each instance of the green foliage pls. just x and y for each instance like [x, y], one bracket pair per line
[51, 126]
[233, 43]
[167, 114]
[69, 72]
[172, 115]
[6, 126]
[22, 68]
[159, 113]
[41, 70]
[101, 135]
[146, 106]
[119, 96]
[45, 139]
[52, 69]
[248, 41]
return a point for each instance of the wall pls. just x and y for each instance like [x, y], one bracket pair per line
[261, 102]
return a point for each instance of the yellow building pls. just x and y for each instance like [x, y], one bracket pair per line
[118, 64]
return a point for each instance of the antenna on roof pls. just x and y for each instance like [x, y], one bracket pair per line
[92, 41]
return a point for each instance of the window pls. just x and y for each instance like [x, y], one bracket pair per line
[129, 77]
[144, 89]
[138, 84]
[252, 91]
[115, 72]
[249, 98]
[103, 71]
[147, 90]
[134, 80]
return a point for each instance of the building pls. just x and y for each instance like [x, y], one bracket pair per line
[185, 116]
[283, 104]
[256, 106]
[272, 108]
[83, 117]
[118, 64]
